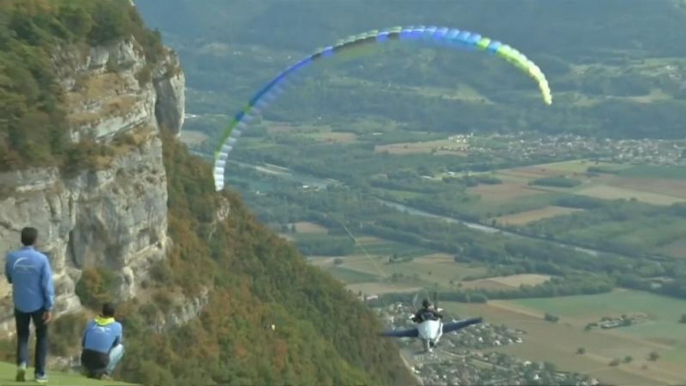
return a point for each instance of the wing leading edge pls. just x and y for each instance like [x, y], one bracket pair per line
[447, 327]
[411, 333]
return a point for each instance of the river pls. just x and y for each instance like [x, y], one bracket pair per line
[320, 182]
[482, 227]
[287, 174]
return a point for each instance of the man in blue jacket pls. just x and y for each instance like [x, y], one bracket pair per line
[34, 297]
[102, 344]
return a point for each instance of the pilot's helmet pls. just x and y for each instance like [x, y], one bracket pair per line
[426, 303]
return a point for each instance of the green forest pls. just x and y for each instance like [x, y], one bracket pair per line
[322, 334]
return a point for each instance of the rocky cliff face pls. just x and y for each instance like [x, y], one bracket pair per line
[184, 310]
[114, 216]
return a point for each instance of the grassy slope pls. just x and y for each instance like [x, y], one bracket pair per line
[7, 372]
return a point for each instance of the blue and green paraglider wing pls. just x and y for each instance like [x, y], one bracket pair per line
[453, 38]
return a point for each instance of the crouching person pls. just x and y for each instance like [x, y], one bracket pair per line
[102, 345]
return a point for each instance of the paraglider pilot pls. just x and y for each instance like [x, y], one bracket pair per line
[427, 312]
[102, 345]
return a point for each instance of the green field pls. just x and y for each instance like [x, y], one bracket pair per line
[663, 314]
[648, 171]
[659, 185]
[676, 249]
[8, 371]
[426, 271]
[526, 217]
[557, 342]
[350, 276]
[387, 248]
[370, 264]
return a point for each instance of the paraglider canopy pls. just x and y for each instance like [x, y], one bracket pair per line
[451, 38]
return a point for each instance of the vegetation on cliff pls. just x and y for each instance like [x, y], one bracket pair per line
[322, 334]
[33, 124]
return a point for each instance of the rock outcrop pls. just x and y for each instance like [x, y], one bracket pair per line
[113, 215]
[169, 84]
[184, 310]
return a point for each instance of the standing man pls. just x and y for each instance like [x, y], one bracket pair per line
[34, 297]
[102, 344]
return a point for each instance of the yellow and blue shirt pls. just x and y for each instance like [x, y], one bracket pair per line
[102, 334]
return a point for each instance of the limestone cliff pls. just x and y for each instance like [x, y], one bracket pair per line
[114, 214]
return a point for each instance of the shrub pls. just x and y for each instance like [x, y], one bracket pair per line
[94, 287]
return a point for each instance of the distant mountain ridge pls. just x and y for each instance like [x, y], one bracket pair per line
[616, 67]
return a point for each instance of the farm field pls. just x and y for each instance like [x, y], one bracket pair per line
[505, 282]
[557, 342]
[370, 240]
[322, 133]
[423, 271]
[524, 203]
[383, 249]
[676, 249]
[381, 288]
[649, 171]
[523, 218]
[309, 227]
[441, 147]
[334, 137]
[281, 127]
[347, 275]
[662, 186]
[610, 192]
[578, 167]
[573, 169]
[420, 272]
[503, 192]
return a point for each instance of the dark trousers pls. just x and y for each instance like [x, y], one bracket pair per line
[95, 363]
[23, 321]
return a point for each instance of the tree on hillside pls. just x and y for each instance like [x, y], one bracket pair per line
[581, 351]
[653, 356]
